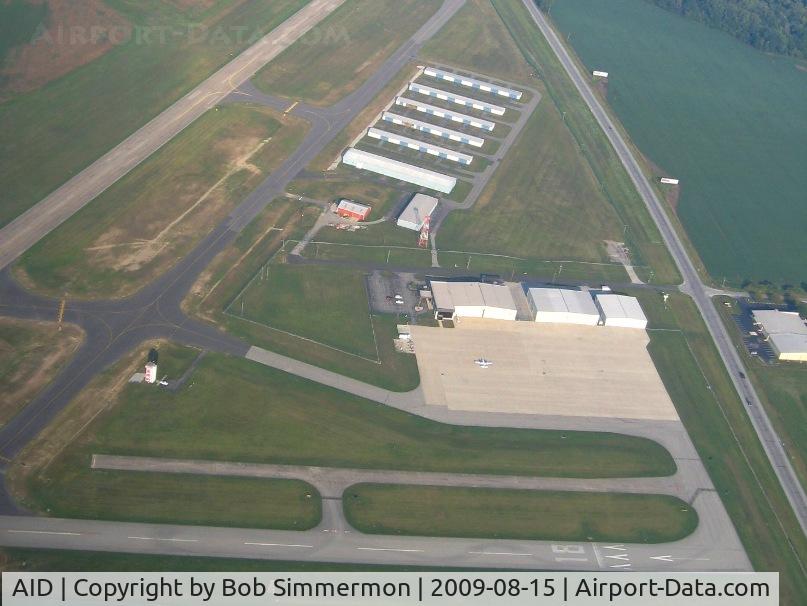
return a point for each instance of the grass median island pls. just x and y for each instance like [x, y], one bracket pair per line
[140, 226]
[344, 50]
[517, 514]
[103, 102]
[31, 355]
[325, 304]
[71, 489]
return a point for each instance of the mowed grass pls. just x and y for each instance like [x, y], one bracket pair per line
[31, 355]
[52, 133]
[715, 418]
[344, 50]
[727, 120]
[636, 225]
[517, 514]
[73, 490]
[18, 23]
[543, 202]
[237, 410]
[476, 39]
[140, 226]
[325, 304]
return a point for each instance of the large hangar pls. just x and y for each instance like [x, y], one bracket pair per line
[621, 311]
[786, 331]
[419, 209]
[399, 170]
[447, 114]
[563, 306]
[472, 300]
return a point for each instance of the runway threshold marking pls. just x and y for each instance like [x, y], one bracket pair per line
[280, 545]
[69, 534]
[389, 549]
[501, 553]
[157, 539]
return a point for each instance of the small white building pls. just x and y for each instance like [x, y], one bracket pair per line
[399, 170]
[150, 376]
[563, 306]
[420, 207]
[472, 300]
[786, 332]
[621, 311]
[599, 74]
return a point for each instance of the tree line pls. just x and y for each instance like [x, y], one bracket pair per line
[775, 26]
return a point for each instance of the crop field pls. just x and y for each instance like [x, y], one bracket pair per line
[324, 304]
[542, 203]
[62, 127]
[511, 514]
[141, 225]
[31, 354]
[727, 120]
[336, 57]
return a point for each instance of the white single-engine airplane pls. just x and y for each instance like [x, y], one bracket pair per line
[483, 363]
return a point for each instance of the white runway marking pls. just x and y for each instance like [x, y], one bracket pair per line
[171, 540]
[280, 545]
[69, 534]
[501, 553]
[389, 549]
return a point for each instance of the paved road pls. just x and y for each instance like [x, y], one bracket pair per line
[27, 229]
[332, 482]
[693, 285]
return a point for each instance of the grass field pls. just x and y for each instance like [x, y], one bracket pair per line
[517, 514]
[103, 102]
[31, 355]
[542, 203]
[231, 271]
[783, 390]
[44, 560]
[140, 226]
[729, 121]
[241, 411]
[347, 47]
[18, 23]
[648, 250]
[382, 198]
[476, 39]
[715, 418]
[328, 305]
[71, 489]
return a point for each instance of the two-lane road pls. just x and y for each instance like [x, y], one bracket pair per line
[693, 285]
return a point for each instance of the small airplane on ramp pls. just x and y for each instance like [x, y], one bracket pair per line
[483, 363]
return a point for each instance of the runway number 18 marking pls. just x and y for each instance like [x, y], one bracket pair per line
[569, 553]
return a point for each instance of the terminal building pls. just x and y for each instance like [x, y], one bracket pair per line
[420, 208]
[454, 300]
[458, 99]
[447, 114]
[563, 306]
[621, 311]
[433, 129]
[421, 146]
[473, 83]
[786, 332]
[399, 170]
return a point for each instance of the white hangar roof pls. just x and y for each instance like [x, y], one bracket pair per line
[621, 310]
[451, 295]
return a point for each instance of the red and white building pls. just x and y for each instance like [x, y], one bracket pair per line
[353, 210]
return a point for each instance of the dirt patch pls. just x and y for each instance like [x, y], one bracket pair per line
[73, 34]
[31, 354]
